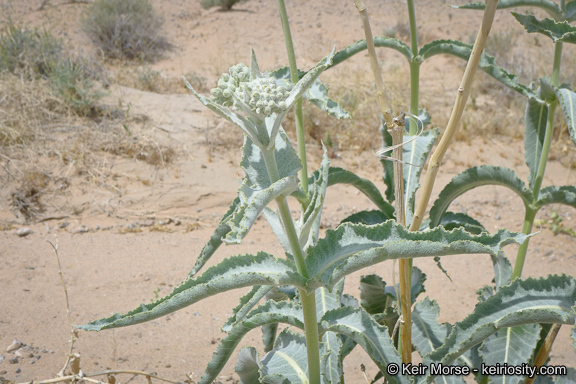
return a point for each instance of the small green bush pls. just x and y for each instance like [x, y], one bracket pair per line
[33, 55]
[224, 4]
[127, 29]
[29, 53]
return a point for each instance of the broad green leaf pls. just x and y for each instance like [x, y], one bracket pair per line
[477, 177]
[557, 195]
[325, 301]
[513, 346]
[252, 202]
[571, 10]
[549, 6]
[423, 115]
[288, 361]
[546, 91]
[255, 168]
[237, 119]
[534, 132]
[317, 94]
[215, 240]
[558, 31]
[544, 300]
[502, 269]
[351, 247]
[487, 63]
[367, 218]
[342, 176]
[415, 153]
[274, 220]
[269, 313]
[330, 362]
[358, 325]
[567, 100]
[232, 273]
[248, 366]
[387, 165]
[309, 222]
[383, 42]
[373, 297]
[427, 333]
[308, 79]
[451, 220]
[247, 302]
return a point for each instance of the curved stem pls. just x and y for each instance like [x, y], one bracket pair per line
[308, 300]
[530, 213]
[299, 115]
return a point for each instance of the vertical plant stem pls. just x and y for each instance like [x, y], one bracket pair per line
[414, 68]
[299, 115]
[544, 351]
[405, 265]
[549, 134]
[526, 229]
[308, 300]
[453, 123]
[397, 132]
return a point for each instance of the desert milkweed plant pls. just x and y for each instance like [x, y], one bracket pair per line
[304, 288]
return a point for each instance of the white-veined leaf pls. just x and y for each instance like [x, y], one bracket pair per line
[476, 177]
[330, 362]
[534, 132]
[215, 240]
[549, 6]
[255, 168]
[565, 195]
[269, 313]
[342, 176]
[513, 346]
[317, 94]
[487, 63]
[416, 153]
[247, 303]
[248, 366]
[287, 362]
[351, 247]
[558, 31]
[544, 300]
[358, 325]
[567, 100]
[381, 42]
[232, 273]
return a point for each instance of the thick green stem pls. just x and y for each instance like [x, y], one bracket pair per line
[308, 300]
[414, 68]
[299, 115]
[526, 229]
[549, 134]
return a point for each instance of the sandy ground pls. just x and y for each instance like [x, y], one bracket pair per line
[133, 233]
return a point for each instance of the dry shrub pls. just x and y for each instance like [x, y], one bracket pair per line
[127, 29]
[27, 197]
[26, 107]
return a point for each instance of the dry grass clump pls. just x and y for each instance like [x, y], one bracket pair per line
[127, 29]
[26, 108]
[32, 55]
[149, 80]
[223, 4]
[27, 197]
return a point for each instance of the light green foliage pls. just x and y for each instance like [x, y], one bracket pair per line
[33, 54]
[127, 29]
[224, 4]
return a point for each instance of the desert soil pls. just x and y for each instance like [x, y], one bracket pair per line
[128, 231]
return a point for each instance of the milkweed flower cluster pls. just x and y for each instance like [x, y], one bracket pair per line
[255, 101]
